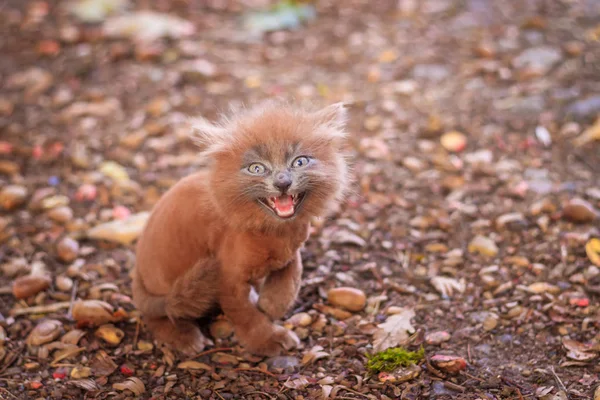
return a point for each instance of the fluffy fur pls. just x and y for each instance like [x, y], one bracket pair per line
[239, 224]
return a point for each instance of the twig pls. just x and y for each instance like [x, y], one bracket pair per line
[254, 369]
[13, 357]
[212, 351]
[454, 386]
[519, 393]
[7, 392]
[41, 309]
[468, 375]
[349, 390]
[6, 290]
[218, 394]
[559, 382]
[73, 295]
[259, 392]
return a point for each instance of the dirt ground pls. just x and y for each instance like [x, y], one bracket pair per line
[477, 190]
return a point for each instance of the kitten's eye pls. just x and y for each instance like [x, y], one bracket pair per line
[256, 169]
[300, 162]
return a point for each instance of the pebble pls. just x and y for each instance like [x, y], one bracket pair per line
[110, 334]
[537, 60]
[12, 196]
[300, 320]
[62, 214]
[81, 372]
[450, 364]
[484, 246]
[29, 285]
[224, 359]
[510, 219]
[221, 329]
[67, 249]
[44, 332]
[454, 141]
[584, 108]
[282, 362]
[351, 299]
[580, 211]
[436, 338]
[490, 323]
[120, 231]
[63, 283]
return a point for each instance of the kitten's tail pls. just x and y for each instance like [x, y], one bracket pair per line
[193, 295]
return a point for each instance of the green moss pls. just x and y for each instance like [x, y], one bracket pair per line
[390, 359]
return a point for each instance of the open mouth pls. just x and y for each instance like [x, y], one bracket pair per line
[284, 206]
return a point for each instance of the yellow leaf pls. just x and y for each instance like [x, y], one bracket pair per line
[592, 249]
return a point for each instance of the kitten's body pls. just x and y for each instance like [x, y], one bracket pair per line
[212, 236]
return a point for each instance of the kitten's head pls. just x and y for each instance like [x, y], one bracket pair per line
[274, 164]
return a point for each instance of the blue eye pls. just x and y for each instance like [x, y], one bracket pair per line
[300, 162]
[256, 169]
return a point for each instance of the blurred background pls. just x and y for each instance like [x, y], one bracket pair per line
[474, 142]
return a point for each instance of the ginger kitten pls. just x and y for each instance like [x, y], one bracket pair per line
[239, 225]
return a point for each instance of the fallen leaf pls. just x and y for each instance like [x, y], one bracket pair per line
[85, 384]
[589, 135]
[446, 286]
[121, 231]
[543, 287]
[579, 351]
[132, 384]
[194, 365]
[592, 249]
[394, 331]
[298, 383]
[110, 334]
[102, 364]
[93, 312]
[451, 364]
[314, 354]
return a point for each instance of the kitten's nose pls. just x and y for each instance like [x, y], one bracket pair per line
[282, 181]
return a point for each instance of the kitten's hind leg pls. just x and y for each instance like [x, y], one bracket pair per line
[182, 335]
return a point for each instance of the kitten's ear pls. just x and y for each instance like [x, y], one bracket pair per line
[334, 117]
[208, 136]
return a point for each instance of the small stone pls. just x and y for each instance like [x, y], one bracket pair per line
[537, 60]
[585, 108]
[450, 364]
[81, 372]
[349, 298]
[120, 231]
[63, 283]
[221, 329]
[62, 214]
[29, 285]
[543, 287]
[93, 312]
[301, 319]
[436, 338]
[110, 334]
[282, 362]
[484, 246]
[6, 107]
[198, 70]
[145, 346]
[509, 220]
[12, 196]
[580, 211]
[485, 50]
[46, 331]
[454, 141]
[490, 323]
[224, 359]
[67, 249]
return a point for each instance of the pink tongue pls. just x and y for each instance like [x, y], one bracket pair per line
[284, 202]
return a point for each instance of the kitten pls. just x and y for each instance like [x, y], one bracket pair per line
[239, 225]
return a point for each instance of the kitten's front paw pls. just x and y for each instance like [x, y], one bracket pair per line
[275, 310]
[280, 339]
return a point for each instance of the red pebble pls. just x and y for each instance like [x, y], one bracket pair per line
[36, 385]
[37, 152]
[59, 374]
[125, 370]
[86, 192]
[121, 212]
[6, 148]
[580, 302]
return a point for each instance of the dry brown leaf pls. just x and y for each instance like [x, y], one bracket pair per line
[589, 135]
[102, 364]
[73, 337]
[592, 249]
[110, 334]
[93, 312]
[132, 384]
[314, 354]
[85, 384]
[395, 331]
[579, 351]
[298, 383]
[194, 365]
[446, 286]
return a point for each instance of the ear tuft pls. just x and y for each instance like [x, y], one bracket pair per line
[207, 135]
[333, 116]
